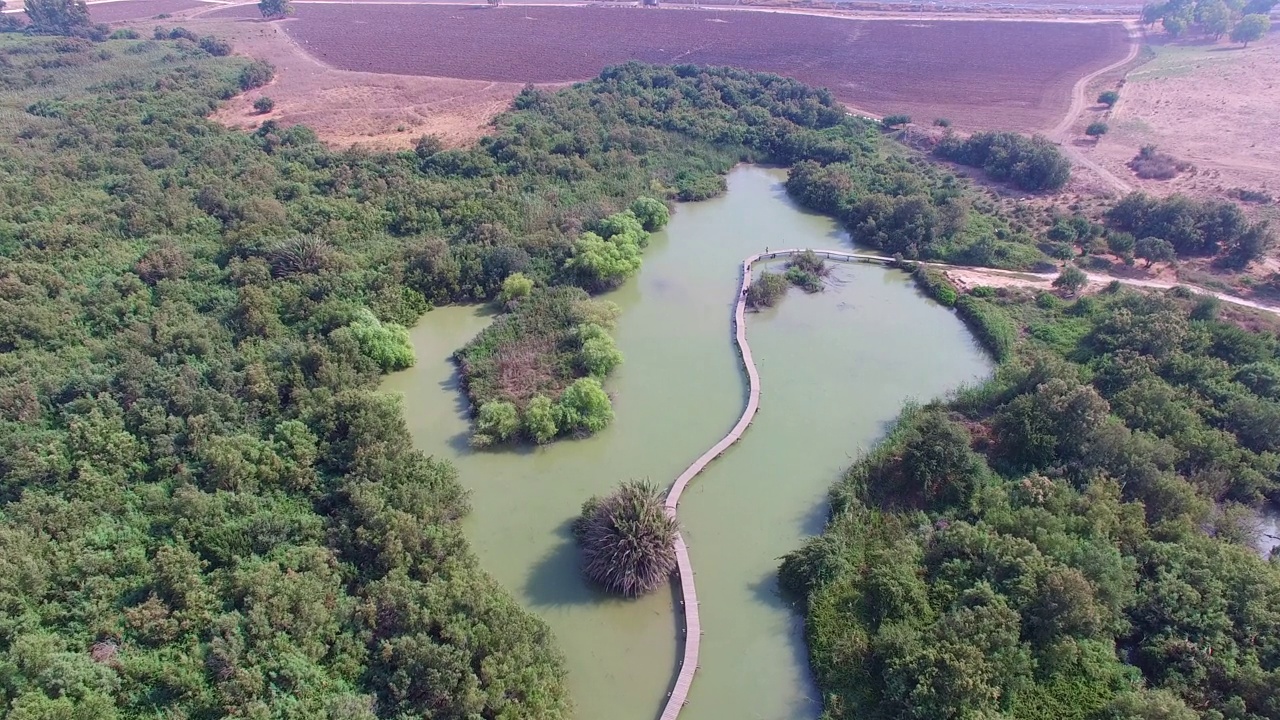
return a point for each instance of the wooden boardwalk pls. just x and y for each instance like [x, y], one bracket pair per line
[692, 632]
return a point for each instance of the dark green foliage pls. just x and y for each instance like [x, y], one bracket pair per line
[652, 213]
[912, 211]
[272, 9]
[935, 285]
[62, 17]
[214, 46]
[627, 540]
[892, 121]
[1154, 250]
[1034, 164]
[178, 33]
[256, 74]
[1193, 227]
[1108, 98]
[1089, 565]
[264, 105]
[1096, 129]
[766, 290]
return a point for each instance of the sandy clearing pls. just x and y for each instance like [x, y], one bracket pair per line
[1213, 105]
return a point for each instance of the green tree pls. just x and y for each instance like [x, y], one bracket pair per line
[599, 354]
[540, 420]
[1071, 280]
[58, 17]
[275, 8]
[1154, 250]
[1109, 98]
[1175, 25]
[497, 421]
[264, 105]
[653, 214]
[514, 287]
[1250, 28]
[584, 406]
[1158, 704]
[601, 264]
[766, 290]
[893, 121]
[1096, 129]
[386, 343]
[1215, 18]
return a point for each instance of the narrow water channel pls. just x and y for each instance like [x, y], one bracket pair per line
[835, 369]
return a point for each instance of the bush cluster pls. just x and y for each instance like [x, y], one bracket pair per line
[919, 214]
[535, 373]
[1194, 227]
[1034, 164]
[767, 289]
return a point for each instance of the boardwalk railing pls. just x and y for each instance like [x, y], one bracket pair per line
[688, 592]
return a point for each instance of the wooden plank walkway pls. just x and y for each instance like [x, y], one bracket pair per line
[692, 630]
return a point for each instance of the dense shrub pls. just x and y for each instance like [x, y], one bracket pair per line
[806, 271]
[387, 344]
[1194, 227]
[930, 218]
[256, 74]
[766, 290]
[991, 555]
[1034, 164]
[215, 46]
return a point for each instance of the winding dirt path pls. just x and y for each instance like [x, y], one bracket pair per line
[1080, 100]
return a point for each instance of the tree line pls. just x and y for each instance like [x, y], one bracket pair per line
[1244, 20]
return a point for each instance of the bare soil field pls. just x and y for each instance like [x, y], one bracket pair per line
[1210, 105]
[112, 12]
[980, 75]
[348, 108]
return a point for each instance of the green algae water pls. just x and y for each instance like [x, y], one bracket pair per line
[835, 369]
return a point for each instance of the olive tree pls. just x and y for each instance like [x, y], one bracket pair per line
[275, 8]
[1071, 280]
[1250, 28]
[1154, 250]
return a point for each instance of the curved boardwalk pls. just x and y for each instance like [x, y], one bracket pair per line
[688, 592]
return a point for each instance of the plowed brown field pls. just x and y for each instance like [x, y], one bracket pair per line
[979, 74]
[110, 12]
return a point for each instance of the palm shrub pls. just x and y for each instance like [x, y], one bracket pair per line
[627, 540]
